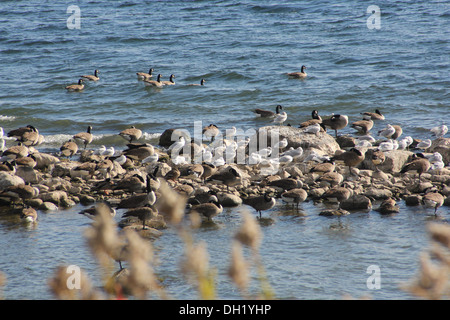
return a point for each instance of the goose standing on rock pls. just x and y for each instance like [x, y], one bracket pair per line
[268, 113]
[142, 213]
[351, 158]
[76, 87]
[84, 137]
[336, 122]
[299, 75]
[93, 77]
[229, 177]
[144, 75]
[211, 131]
[131, 134]
[419, 164]
[68, 149]
[140, 199]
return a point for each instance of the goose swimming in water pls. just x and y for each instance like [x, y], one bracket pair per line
[144, 75]
[373, 115]
[300, 75]
[76, 87]
[268, 113]
[93, 77]
[155, 83]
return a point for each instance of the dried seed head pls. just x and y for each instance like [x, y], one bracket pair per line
[171, 204]
[440, 233]
[70, 284]
[239, 268]
[196, 261]
[249, 233]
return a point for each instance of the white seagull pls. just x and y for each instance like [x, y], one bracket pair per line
[439, 131]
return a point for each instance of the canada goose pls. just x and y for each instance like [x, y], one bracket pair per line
[260, 203]
[300, 75]
[387, 132]
[208, 170]
[28, 135]
[142, 213]
[84, 137]
[170, 82]
[68, 149]
[209, 209]
[433, 200]
[8, 166]
[378, 157]
[418, 164]
[76, 87]
[211, 131]
[315, 118]
[14, 152]
[439, 131]
[332, 178]
[229, 177]
[85, 170]
[94, 77]
[173, 174]
[363, 126]
[28, 161]
[267, 113]
[398, 132]
[94, 211]
[131, 134]
[351, 158]
[280, 118]
[373, 115]
[336, 122]
[337, 194]
[202, 82]
[155, 83]
[144, 75]
[388, 206]
[105, 167]
[134, 183]
[139, 152]
[294, 196]
[324, 167]
[29, 214]
[140, 199]
[195, 171]
[286, 184]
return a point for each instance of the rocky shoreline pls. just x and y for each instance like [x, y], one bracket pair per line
[54, 181]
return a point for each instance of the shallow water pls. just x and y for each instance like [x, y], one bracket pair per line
[243, 50]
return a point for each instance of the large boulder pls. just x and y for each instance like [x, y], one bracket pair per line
[322, 142]
[394, 161]
[169, 136]
[8, 180]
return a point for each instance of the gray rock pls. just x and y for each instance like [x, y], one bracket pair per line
[394, 162]
[44, 160]
[323, 143]
[441, 145]
[28, 174]
[57, 197]
[8, 180]
[376, 193]
[48, 206]
[357, 202]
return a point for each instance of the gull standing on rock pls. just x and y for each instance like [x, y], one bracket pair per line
[425, 144]
[387, 132]
[439, 131]
[280, 118]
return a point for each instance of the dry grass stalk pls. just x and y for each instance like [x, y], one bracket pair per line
[238, 270]
[433, 280]
[2, 283]
[63, 287]
[171, 204]
[195, 267]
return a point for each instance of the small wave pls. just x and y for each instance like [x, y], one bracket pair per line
[7, 118]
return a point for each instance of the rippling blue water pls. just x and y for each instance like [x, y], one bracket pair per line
[243, 49]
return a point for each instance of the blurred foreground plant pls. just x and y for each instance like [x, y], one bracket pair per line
[433, 280]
